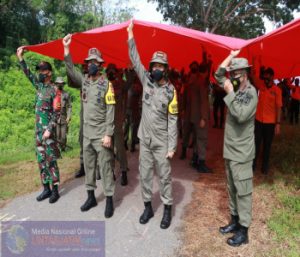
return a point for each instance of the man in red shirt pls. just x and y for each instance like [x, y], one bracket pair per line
[267, 121]
[295, 99]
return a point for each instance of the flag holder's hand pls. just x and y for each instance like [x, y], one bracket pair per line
[20, 53]
[130, 29]
[235, 53]
[66, 42]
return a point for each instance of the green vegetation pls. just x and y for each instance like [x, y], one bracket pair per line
[243, 19]
[17, 112]
[285, 221]
[24, 22]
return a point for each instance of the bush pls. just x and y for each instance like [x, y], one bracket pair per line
[17, 114]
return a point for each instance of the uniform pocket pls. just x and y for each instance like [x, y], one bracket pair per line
[162, 104]
[244, 184]
[147, 97]
[242, 176]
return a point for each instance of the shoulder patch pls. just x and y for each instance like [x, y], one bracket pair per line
[173, 105]
[110, 95]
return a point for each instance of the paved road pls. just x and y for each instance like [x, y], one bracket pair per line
[124, 235]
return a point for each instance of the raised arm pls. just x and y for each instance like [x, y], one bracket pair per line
[134, 55]
[74, 75]
[220, 74]
[241, 110]
[26, 70]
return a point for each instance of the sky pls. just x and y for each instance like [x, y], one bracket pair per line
[147, 11]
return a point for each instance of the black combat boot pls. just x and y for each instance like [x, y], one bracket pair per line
[232, 227]
[194, 161]
[81, 172]
[202, 168]
[167, 217]
[183, 153]
[54, 195]
[240, 237]
[124, 180]
[109, 208]
[147, 214]
[90, 202]
[45, 194]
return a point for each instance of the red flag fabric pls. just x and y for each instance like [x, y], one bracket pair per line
[181, 44]
[278, 49]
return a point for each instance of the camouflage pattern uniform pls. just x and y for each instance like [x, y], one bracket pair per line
[47, 151]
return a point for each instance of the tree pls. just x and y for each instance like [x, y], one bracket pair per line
[25, 22]
[238, 18]
[17, 22]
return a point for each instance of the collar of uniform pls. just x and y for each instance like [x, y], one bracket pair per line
[164, 85]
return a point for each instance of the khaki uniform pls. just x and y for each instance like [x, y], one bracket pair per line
[199, 109]
[133, 110]
[65, 114]
[157, 131]
[98, 120]
[120, 88]
[239, 148]
[81, 131]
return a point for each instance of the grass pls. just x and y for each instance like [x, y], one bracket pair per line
[19, 172]
[275, 228]
[285, 220]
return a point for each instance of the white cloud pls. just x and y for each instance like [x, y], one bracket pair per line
[147, 11]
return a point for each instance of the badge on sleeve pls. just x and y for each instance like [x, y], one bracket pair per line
[173, 105]
[110, 95]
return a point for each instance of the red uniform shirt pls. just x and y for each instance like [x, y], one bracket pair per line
[295, 92]
[269, 100]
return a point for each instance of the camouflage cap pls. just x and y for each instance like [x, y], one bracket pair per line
[238, 64]
[42, 66]
[159, 57]
[59, 80]
[94, 54]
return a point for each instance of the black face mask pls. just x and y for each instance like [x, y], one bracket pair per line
[60, 87]
[111, 76]
[236, 83]
[194, 69]
[157, 75]
[267, 82]
[93, 69]
[42, 77]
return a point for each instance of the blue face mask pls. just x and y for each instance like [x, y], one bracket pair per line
[93, 69]
[157, 75]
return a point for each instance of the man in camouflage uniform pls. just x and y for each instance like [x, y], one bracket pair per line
[46, 116]
[158, 129]
[98, 125]
[65, 114]
[239, 147]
